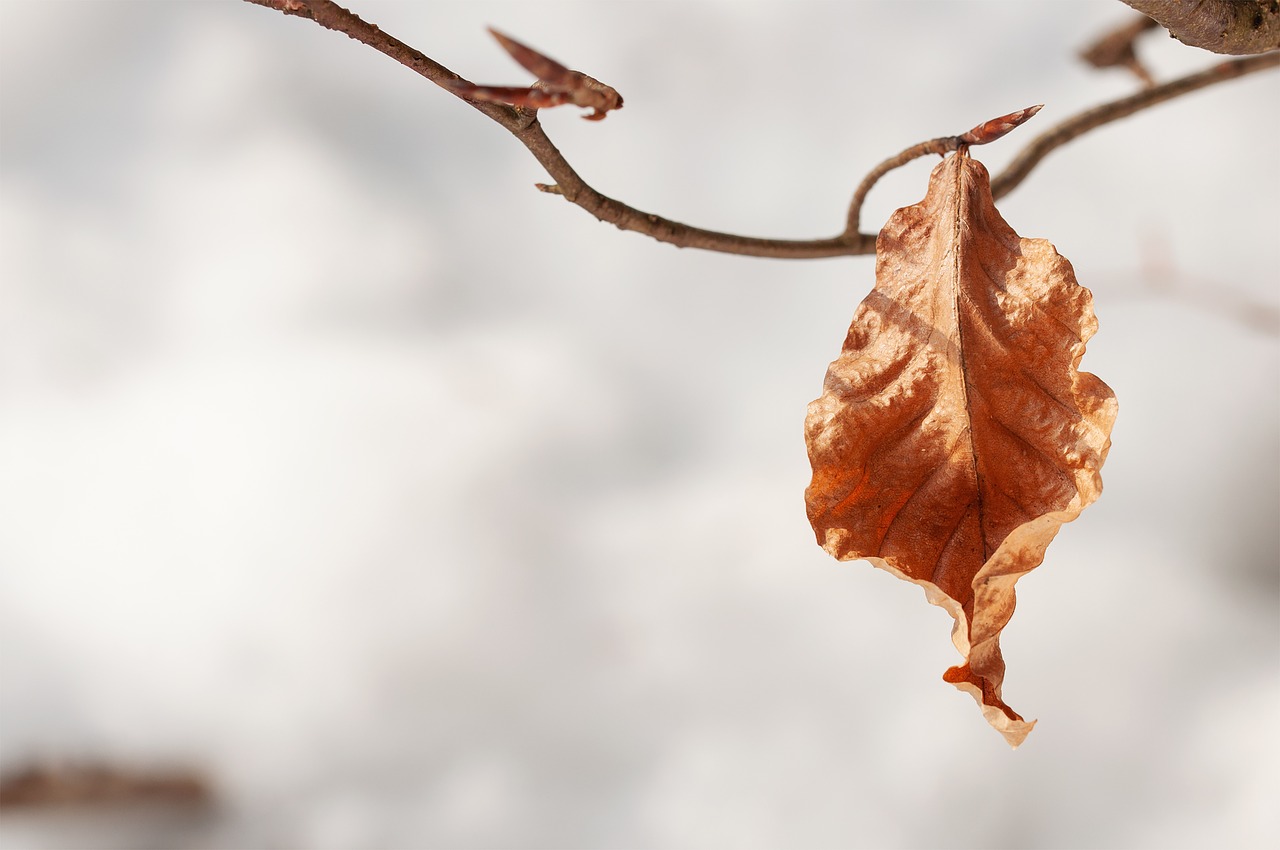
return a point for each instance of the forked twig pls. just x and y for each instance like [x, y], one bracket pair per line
[523, 124]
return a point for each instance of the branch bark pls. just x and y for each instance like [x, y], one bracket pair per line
[1235, 27]
[524, 125]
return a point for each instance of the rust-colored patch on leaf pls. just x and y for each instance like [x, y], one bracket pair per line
[955, 434]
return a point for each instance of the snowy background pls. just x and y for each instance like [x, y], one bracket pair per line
[419, 509]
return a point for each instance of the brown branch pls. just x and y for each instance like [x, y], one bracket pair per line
[332, 16]
[1235, 27]
[1090, 119]
[524, 125]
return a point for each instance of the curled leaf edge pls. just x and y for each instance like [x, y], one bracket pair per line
[1013, 730]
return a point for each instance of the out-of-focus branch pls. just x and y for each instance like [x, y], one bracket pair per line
[523, 124]
[1116, 49]
[1235, 27]
[44, 784]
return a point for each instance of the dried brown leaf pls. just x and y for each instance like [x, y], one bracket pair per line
[955, 434]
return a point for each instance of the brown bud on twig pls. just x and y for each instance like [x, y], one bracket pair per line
[998, 127]
[556, 84]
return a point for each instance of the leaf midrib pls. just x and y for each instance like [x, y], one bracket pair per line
[958, 206]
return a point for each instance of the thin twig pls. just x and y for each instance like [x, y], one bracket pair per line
[1090, 119]
[940, 146]
[984, 133]
[332, 16]
[524, 125]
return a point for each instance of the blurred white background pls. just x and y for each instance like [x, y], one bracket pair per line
[420, 509]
